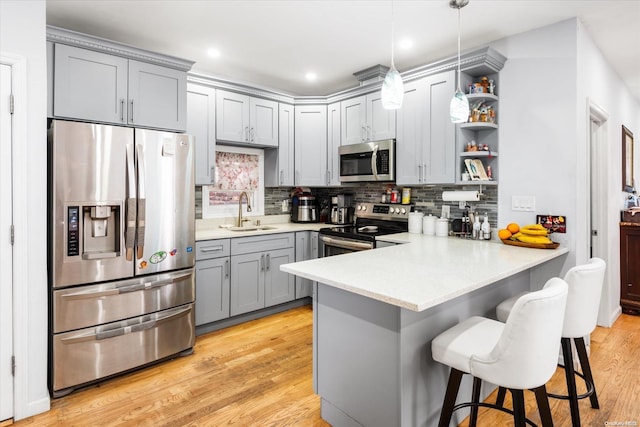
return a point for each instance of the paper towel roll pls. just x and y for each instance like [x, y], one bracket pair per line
[460, 196]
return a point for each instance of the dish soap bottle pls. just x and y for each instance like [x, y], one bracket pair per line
[486, 228]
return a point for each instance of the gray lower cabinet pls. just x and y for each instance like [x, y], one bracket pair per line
[213, 280]
[306, 248]
[256, 279]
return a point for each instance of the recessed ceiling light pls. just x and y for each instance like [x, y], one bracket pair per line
[311, 76]
[213, 52]
[405, 44]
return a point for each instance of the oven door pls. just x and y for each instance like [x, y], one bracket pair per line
[329, 245]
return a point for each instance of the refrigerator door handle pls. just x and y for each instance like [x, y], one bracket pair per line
[130, 226]
[101, 335]
[160, 283]
[141, 201]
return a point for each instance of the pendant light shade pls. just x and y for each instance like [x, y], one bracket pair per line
[392, 86]
[459, 107]
[393, 90]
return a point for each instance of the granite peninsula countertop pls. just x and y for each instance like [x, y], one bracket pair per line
[423, 271]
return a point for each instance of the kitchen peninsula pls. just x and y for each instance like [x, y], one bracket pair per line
[376, 312]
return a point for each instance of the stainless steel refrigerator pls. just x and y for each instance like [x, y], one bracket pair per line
[121, 250]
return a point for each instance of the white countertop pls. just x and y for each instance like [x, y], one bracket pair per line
[424, 272]
[207, 229]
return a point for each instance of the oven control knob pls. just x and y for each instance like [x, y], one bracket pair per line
[403, 211]
[397, 210]
[364, 208]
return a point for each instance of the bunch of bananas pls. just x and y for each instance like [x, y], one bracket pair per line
[532, 233]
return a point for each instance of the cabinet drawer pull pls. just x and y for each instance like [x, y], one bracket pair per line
[226, 268]
[212, 249]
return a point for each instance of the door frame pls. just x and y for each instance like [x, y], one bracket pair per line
[6, 281]
[22, 404]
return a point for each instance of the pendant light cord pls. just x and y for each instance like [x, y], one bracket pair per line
[393, 65]
[458, 50]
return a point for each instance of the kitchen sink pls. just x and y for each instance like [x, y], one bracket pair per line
[252, 228]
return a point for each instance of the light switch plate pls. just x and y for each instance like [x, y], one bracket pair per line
[523, 203]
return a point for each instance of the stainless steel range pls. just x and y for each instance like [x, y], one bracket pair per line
[121, 250]
[371, 220]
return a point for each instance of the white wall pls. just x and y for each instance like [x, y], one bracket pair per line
[599, 83]
[537, 129]
[549, 75]
[22, 35]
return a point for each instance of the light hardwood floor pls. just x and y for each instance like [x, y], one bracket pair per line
[259, 374]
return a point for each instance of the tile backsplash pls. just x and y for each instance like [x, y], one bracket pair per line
[371, 192]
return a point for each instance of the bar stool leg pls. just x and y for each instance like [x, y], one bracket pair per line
[571, 381]
[586, 369]
[542, 399]
[518, 408]
[455, 377]
[475, 397]
[502, 393]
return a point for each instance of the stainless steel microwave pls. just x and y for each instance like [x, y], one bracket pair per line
[368, 161]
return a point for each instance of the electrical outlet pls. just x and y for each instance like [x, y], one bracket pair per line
[523, 203]
[285, 206]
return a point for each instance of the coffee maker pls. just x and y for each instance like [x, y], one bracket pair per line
[341, 209]
[304, 208]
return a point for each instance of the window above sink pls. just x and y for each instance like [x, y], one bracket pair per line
[237, 169]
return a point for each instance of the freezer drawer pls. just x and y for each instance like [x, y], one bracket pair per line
[93, 353]
[84, 306]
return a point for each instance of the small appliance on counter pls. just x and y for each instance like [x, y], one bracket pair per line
[341, 209]
[304, 208]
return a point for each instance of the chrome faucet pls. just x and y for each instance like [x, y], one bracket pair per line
[244, 193]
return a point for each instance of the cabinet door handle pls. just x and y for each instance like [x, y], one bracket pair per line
[262, 262]
[363, 133]
[226, 268]
[419, 173]
[268, 261]
[122, 110]
[246, 133]
[252, 134]
[281, 177]
[630, 284]
[131, 102]
[212, 178]
[369, 133]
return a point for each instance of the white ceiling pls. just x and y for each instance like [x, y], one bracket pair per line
[275, 43]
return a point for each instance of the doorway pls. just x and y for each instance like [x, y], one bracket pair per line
[597, 212]
[6, 248]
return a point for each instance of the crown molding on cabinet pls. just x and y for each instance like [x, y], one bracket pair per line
[85, 41]
[480, 61]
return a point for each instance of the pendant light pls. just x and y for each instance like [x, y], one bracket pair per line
[392, 86]
[459, 107]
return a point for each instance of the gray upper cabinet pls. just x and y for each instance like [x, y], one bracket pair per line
[95, 86]
[311, 145]
[426, 149]
[333, 143]
[364, 120]
[278, 163]
[246, 120]
[157, 96]
[201, 123]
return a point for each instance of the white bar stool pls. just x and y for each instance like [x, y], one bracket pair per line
[519, 354]
[583, 300]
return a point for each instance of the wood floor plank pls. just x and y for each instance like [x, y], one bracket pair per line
[259, 374]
